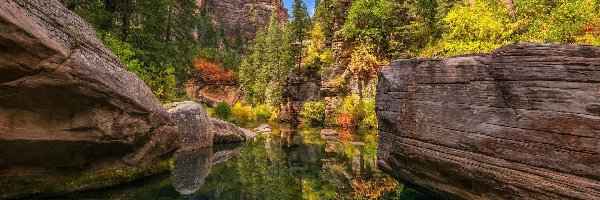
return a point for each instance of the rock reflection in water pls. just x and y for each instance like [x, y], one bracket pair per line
[284, 164]
[192, 167]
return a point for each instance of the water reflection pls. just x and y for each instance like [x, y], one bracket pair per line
[192, 167]
[286, 164]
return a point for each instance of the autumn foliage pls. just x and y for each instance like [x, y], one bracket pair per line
[213, 73]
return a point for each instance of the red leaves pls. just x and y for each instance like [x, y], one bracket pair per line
[213, 73]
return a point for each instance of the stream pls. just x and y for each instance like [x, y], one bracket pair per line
[282, 164]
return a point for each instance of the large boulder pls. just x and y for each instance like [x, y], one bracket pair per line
[67, 103]
[226, 132]
[198, 130]
[195, 128]
[522, 122]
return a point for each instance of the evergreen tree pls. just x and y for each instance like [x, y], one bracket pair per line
[262, 73]
[299, 26]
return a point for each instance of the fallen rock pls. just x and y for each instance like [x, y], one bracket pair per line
[196, 129]
[248, 133]
[226, 132]
[329, 134]
[263, 129]
[522, 122]
[67, 104]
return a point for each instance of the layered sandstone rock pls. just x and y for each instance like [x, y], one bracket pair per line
[66, 102]
[301, 85]
[522, 122]
[244, 17]
[213, 94]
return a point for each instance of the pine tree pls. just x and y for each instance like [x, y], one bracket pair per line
[299, 26]
[262, 74]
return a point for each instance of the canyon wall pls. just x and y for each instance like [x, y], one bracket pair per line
[522, 122]
[68, 106]
[244, 17]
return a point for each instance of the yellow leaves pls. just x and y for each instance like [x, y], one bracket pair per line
[364, 62]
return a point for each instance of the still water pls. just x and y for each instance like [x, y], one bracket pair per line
[282, 164]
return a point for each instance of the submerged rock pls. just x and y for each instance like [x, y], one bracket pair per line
[519, 123]
[195, 127]
[67, 104]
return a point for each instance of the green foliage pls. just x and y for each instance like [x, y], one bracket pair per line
[357, 113]
[558, 21]
[153, 38]
[261, 113]
[229, 59]
[369, 118]
[377, 22]
[330, 15]
[262, 73]
[300, 22]
[241, 115]
[314, 112]
[162, 81]
[318, 55]
[482, 27]
[222, 111]
[487, 25]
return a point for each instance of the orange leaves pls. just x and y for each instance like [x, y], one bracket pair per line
[213, 73]
[346, 121]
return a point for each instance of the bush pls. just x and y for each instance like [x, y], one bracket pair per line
[314, 112]
[222, 111]
[213, 73]
[261, 113]
[242, 115]
[369, 122]
[356, 113]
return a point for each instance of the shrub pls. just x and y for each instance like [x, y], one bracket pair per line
[261, 113]
[314, 112]
[222, 111]
[242, 115]
[213, 73]
[369, 122]
[356, 113]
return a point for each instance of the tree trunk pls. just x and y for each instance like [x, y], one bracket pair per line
[111, 7]
[511, 7]
[126, 19]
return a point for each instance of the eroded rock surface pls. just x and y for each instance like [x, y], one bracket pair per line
[226, 132]
[519, 123]
[244, 17]
[195, 127]
[66, 102]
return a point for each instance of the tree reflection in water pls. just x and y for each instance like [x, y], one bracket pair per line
[286, 164]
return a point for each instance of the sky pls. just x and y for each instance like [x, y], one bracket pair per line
[310, 5]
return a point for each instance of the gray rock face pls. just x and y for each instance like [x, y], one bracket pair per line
[519, 123]
[226, 132]
[195, 127]
[244, 17]
[66, 102]
[197, 130]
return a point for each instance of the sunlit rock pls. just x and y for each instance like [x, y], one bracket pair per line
[521, 122]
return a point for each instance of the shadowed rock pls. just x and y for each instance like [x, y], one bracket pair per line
[66, 102]
[518, 123]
